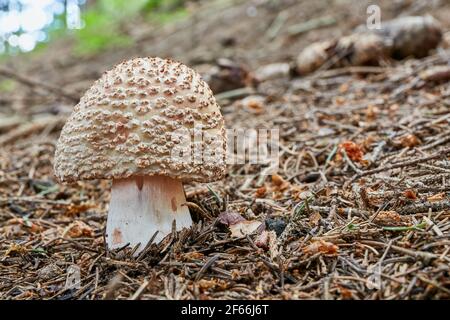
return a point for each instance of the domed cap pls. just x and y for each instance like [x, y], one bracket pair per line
[129, 123]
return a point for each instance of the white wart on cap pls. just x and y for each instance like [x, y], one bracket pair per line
[124, 129]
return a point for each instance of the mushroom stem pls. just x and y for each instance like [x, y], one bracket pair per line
[140, 206]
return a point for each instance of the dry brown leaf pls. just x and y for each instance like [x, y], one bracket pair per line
[79, 229]
[25, 225]
[261, 192]
[244, 228]
[194, 255]
[253, 104]
[345, 293]
[353, 151]
[279, 183]
[409, 141]
[314, 218]
[410, 194]
[75, 209]
[205, 284]
[391, 218]
[238, 226]
[229, 217]
[321, 246]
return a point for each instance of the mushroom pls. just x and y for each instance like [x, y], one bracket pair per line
[129, 127]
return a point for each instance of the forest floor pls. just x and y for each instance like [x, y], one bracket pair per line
[359, 206]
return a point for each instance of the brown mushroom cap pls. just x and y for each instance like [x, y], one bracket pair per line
[123, 125]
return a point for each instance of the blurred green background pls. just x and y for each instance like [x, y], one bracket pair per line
[95, 25]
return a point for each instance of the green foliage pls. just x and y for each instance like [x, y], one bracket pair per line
[120, 8]
[166, 17]
[7, 85]
[165, 11]
[103, 21]
[163, 5]
[100, 32]
[102, 25]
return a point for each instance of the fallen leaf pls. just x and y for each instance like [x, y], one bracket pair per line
[78, 229]
[391, 218]
[353, 151]
[410, 194]
[229, 217]
[75, 209]
[244, 228]
[205, 284]
[238, 226]
[345, 293]
[314, 218]
[254, 104]
[279, 183]
[261, 192]
[24, 224]
[321, 246]
[409, 141]
[194, 255]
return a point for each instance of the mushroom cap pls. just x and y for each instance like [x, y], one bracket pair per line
[133, 120]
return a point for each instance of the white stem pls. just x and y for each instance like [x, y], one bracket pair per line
[140, 206]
